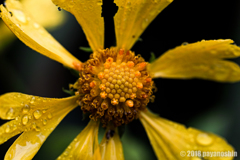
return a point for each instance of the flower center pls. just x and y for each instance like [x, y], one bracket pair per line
[113, 86]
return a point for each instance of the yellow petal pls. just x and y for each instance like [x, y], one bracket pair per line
[111, 145]
[133, 17]
[88, 15]
[35, 116]
[203, 59]
[171, 140]
[34, 35]
[44, 12]
[84, 145]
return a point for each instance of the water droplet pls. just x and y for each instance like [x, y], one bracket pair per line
[184, 43]
[90, 6]
[34, 126]
[10, 113]
[17, 118]
[128, 4]
[59, 8]
[70, 4]
[44, 111]
[99, 2]
[7, 129]
[65, 153]
[49, 116]
[25, 120]
[26, 108]
[32, 100]
[14, 127]
[213, 52]
[36, 25]
[44, 122]
[145, 23]
[204, 139]
[37, 114]
[19, 15]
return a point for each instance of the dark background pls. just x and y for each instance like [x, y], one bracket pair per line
[205, 105]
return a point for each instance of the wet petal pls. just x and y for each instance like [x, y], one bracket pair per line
[35, 116]
[84, 145]
[133, 17]
[88, 15]
[170, 139]
[34, 35]
[111, 145]
[203, 59]
[9, 130]
[44, 12]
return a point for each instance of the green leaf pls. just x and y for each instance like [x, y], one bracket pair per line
[152, 58]
[68, 91]
[86, 49]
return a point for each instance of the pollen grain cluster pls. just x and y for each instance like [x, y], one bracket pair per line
[113, 86]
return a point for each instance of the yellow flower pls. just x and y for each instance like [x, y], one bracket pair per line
[115, 86]
[44, 12]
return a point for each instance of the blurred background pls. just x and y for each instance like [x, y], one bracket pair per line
[205, 105]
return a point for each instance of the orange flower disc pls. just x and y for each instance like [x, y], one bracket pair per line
[115, 85]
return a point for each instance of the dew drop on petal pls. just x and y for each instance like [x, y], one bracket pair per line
[25, 119]
[36, 25]
[37, 114]
[26, 108]
[128, 4]
[65, 153]
[10, 113]
[204, 139]
[145, 23]
[49, 116]
[44, 122]
[184, 43]
[17, 118]
[99, 2]
[33, 100]
[20, 16]
[14, 127]
[7, 129]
